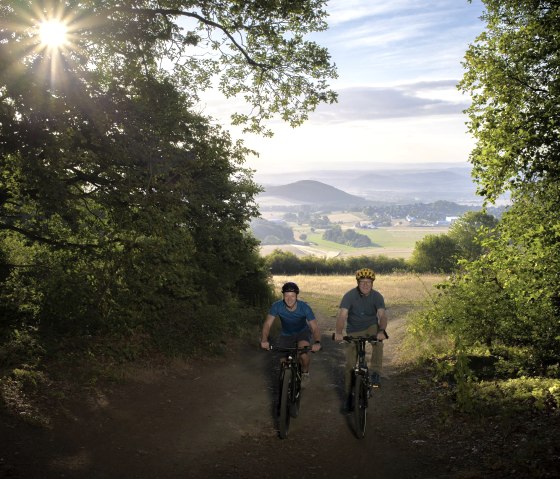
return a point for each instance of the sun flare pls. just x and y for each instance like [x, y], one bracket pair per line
[53, 33]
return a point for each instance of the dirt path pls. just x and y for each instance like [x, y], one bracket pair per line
[217, 421]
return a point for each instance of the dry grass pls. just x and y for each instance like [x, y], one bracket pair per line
[324, 292]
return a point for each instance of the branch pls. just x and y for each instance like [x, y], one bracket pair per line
[174, 12]
[41, 239]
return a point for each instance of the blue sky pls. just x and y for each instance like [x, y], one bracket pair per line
[398, 63]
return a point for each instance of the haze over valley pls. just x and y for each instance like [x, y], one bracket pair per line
[379, 184]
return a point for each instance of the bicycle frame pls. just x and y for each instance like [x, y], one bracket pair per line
[290, 386]
[360, 385]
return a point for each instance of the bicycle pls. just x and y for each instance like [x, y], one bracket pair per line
[290, 386]
[360, 389]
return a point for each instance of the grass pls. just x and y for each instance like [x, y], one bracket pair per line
[395, 241]
[324, 292]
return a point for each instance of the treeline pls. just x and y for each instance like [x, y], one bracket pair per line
[435, 253]
[269, 232]
[285, 263]
[347, 237]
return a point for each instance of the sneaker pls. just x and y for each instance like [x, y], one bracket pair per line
[304, 380]
[375, 380]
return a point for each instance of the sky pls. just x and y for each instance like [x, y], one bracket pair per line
[398, 64]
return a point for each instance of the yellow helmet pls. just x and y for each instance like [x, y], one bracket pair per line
[365, 273]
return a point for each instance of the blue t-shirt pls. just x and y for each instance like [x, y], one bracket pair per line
[293, 322]
[362, 310]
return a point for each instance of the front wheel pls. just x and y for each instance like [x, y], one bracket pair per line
[284, 420]
[360, 406]
[295, 395]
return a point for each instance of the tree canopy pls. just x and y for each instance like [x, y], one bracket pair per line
[513, 77]
[506, 300]
[122, 207]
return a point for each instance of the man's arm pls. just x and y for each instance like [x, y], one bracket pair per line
[340, 323]
[382, 322]
[316, 333]
[266, 331]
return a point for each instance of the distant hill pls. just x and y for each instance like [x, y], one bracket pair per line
[309, 192]
[404, 185]
[440, 180]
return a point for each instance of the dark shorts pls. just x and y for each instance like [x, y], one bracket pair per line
[290, 341]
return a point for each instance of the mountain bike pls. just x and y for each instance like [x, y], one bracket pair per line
[290, 386]
[360, 389]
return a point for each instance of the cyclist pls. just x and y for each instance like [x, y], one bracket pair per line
[362, 309]
[298, 325]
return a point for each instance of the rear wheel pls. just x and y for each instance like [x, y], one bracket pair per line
[360, 406]
[284, 420]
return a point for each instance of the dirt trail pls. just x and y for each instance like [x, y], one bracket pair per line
[217, 421]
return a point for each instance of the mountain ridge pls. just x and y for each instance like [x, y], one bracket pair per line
[311, 192]
[398, 185]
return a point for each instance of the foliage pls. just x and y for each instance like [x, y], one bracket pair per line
[469, 230]
[505, 304]
[435, 253]
[517, 395]
[268, 232]
[348, 237]
[124, 213]
[512, 76]
[282, 262]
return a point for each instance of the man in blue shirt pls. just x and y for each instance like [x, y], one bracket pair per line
[298, 325]
[362, 309]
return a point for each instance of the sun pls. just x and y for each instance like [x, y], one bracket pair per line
[53, 33]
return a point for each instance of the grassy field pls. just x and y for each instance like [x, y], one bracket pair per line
[395, 242]
[399, 290]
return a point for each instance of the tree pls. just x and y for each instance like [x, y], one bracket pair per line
[513, 79]
[434, 253]
[512, 289]
[120, 206]
[468, 232]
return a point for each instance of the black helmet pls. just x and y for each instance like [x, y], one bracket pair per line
[290, 288]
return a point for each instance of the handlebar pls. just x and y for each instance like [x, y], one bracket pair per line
[369, 339]
[305, 349]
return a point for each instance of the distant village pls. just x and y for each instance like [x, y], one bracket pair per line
[412, 221]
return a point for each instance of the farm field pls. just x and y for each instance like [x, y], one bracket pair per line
[396, 241]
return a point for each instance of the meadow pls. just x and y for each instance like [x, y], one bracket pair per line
[397, 241]
[400, 290]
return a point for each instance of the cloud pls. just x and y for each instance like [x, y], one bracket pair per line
[345, 11]
[421, 99]
[400, 39]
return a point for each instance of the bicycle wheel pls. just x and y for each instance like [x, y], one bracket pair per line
[360, 406]
[284, 420]
[295, 395]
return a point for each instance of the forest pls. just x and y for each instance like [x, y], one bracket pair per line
[125, 213]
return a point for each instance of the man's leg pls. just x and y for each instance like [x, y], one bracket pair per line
[350, 351]
[376, 361]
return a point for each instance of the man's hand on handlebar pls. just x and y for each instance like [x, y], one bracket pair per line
[338, 337]
[265, 345]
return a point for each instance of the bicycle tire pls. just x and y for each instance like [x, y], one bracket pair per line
[295, 395]
[360, 406]
[284, 419]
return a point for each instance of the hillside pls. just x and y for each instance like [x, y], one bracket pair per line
[309, 192]
[404, 185]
